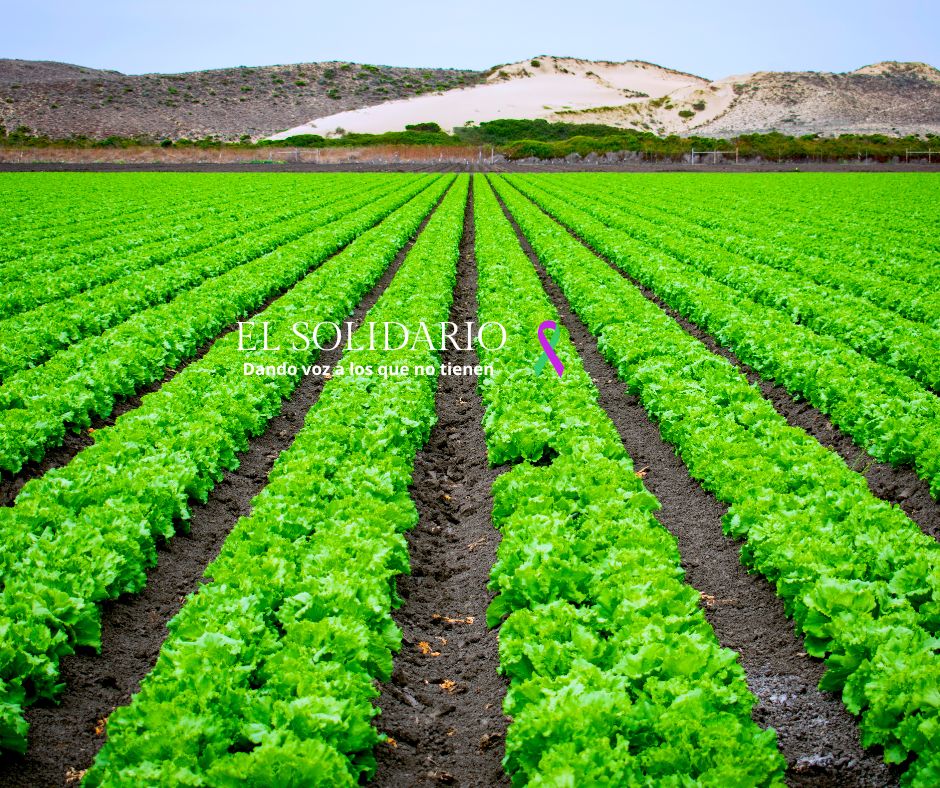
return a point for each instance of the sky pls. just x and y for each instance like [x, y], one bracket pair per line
[713, 40]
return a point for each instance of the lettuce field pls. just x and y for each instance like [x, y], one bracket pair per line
[245, 542]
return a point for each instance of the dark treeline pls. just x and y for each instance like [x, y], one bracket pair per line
[520, 139]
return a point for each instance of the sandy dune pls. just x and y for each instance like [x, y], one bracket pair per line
[556, 89]
[883, 97]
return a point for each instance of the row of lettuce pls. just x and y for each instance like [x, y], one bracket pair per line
[39, 404]
[869, 325]
[106, 250]
[880, 221]
[834, 231]
[155, 274]
[615, 676]
[892, 416]
[86, 532]
[268, 674]
[63, 262]
[861, 581]
[48, 220]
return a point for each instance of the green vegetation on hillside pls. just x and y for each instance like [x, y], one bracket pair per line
[521, 139]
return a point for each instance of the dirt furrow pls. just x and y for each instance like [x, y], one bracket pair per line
[59, 456]
[897, 485]
[64, 738]
[817, 735]
[442, 708]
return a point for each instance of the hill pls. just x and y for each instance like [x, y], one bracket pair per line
[60, 100]
[887, 98]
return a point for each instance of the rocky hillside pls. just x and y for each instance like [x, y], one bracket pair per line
[59, 100]
[885, 98]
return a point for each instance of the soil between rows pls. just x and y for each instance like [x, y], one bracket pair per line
[816, 734]
[898, 485]
[64, 738]
[442, 733]
[74, 442]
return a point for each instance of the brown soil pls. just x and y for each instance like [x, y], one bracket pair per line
[443, 733]
[392, 160]
[74, 442]
[64, 738]
[897, 485]
[817, 735]
[58, 456]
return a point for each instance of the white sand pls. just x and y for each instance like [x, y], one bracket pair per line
[519, 90]
[632, 95]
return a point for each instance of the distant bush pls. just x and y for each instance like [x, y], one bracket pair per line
[428, 126]
[333, 94]
[300, 83]
[502, 132]
[525, 149]
[301, 141]
[535, 63]
[347, 140]
[686, 113]
[698, 106]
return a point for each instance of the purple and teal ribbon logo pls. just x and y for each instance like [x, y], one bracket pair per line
[549, 347]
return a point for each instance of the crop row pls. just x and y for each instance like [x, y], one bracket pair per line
[879, 224]
[267, 675]
[37, 405]
[911, 347]
[859, 578]
[758, 231]
[67, 208]
[30, 338]
[615, 676]
[47, 285]
[744, 242]
[893, 417]
[91, 220]
[87, 532]
[890, 219]
[116, 224]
